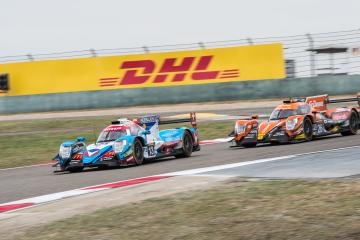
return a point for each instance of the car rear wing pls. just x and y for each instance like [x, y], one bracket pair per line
[191, 119]
[344, 100]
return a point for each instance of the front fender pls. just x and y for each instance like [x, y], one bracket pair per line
[75, 148]
[298, 127]
[127, 150]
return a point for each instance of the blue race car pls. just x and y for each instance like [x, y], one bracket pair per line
[129, 142]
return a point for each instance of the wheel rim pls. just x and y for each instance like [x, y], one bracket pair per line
[138, 152]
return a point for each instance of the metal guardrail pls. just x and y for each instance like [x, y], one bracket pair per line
[307, 55]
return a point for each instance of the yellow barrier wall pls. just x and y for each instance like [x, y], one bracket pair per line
[255, 62]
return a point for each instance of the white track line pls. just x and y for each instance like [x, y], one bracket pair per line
[28, 166]
[240, 164]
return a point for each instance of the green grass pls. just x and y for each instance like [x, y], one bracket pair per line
[37, 141]
[328, 209]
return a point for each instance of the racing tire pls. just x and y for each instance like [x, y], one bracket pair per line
[187, 148]
[308, 129]
[75, 169]
[353, 125]
[138, 152]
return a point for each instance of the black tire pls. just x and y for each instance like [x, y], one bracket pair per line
[353, 125]
[138, 152]
[187, 148]
[75, 169]
[308, 129]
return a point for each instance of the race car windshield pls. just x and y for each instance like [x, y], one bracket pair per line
[282, 113]
[108, 136]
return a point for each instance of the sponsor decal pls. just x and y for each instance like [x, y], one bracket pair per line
[115, 128]
[261, 136]
[142, 71]
[314, 103]
[337, 116]
[149, 119]
[91, 152]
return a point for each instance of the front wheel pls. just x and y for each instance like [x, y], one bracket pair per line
[138, 152]
[353, 125]
[187, 146]
[308, 129]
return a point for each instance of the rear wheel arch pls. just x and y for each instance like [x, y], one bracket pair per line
[191, 134]
[312, 118]
[357, 113]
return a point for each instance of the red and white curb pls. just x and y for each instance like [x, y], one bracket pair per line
[15, 205]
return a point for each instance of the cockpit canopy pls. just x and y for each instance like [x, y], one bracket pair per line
[111, 133]
[285, 111]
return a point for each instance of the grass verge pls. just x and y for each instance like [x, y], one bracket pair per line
[37, 141]
[328, 209]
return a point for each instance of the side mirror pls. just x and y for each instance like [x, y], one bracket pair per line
[145, 132]
[81, 139]
[255, 116]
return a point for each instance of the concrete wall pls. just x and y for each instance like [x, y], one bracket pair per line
[332, 85]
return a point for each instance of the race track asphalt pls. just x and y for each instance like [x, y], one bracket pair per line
[20, 183]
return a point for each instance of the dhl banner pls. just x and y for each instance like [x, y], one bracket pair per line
[255, 62]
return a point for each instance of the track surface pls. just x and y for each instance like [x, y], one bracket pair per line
[337, 163]
[34, 181]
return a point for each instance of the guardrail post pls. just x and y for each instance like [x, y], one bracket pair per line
[30, 57]
[312, 55]
[146, 49]
[201, 45]
[93, 52]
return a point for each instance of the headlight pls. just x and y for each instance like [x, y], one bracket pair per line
[65, 152]
[290, 124]
[119, 146]
[239, 128]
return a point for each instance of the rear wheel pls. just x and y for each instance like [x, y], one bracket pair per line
[308, 129]
[138, 152]
[353, 125]
[187, 146]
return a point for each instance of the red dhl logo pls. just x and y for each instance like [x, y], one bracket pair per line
[142, 71]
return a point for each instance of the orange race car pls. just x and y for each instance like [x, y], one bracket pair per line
[299, 119]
